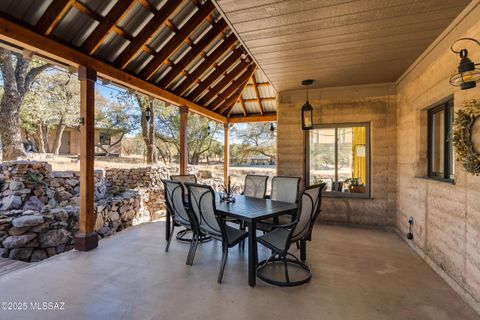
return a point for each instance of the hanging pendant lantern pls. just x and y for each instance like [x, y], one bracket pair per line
[307, 110]
[148, 114]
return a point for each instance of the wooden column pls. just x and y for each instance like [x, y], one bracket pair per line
[87, 238]
[226, 153]
[183, 140]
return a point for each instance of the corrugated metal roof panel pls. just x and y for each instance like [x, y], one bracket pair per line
[111, 48]
[266, 92]
[252, 107]
[269, 106]
[102, 7]
[28, 11]
[137, 64]
[249, 93]
[74, 20]
[135, 20]
[237, 109]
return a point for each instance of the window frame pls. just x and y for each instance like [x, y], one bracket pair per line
[447, 107]
[107, 136]
[335, 193]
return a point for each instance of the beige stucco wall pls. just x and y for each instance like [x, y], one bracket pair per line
[446, 216]
[374, 104]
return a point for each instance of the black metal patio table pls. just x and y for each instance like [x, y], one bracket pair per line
[251, 211]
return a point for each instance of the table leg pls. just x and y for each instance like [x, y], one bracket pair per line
[252, 254]
[167, 226]
[303, 250]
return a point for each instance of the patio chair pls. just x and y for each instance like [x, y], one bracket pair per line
[202, 204]
[255, 186]
[282, 237]
[174, 199]
[284, 189]
[184, 178]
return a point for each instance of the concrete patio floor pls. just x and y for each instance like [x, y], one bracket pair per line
[357, 274]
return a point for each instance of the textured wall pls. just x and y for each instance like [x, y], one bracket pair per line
[374, 104]
[446, 216]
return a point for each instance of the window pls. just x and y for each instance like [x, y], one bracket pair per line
[339, 155]
[105, 139]
[440, 150]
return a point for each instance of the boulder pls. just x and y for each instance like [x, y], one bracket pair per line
[14, 242]
[71, 182]
[41, 227]
[15, 231]
[59, 214]
[20, 254]
[205, 174]
[104, 231]
[27, 221]
[33, 204]
[16, 185]
[38, 255]
[53, 238]
[99, 222]
[63, 196]
[11, 202]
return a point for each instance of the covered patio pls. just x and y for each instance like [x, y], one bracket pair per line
[375, 127]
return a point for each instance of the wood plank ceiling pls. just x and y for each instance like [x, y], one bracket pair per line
[337, 42]
[183, 46]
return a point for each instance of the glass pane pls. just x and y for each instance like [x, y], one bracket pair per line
[352, 159]
[437, 163]
[450, 142]
[322, 157]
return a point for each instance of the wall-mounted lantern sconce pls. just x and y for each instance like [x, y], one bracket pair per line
[272, 127]
[468, 73]
[209, 130]
[148, 114]
[307, 110]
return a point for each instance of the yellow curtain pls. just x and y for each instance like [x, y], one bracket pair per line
[359, 157]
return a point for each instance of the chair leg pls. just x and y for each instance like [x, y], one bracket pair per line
[285, 268]
[197, 240]
[190, 251]
[170, 238]
[224, 261]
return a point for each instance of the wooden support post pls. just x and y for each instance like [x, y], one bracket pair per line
[226, 153]
[87, 238]
[183, 140]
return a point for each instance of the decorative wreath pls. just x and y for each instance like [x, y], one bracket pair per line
[462, 131]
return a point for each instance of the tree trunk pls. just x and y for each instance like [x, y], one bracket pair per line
[148, 132]
[58, 138]
[16, 83]
[12, 145]
[44, 138]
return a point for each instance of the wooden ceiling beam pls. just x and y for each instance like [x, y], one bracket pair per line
[261, 99]
[230, 89]
[147, 32]
[106, 25]
[230, 101]
[207, 63]
[52, 16]
[242, 104]
[28, 39]
[260, 84]
[195, 21]
[219, 70]
[257, 93]
[227, 79]
[147, 5]
[194, 52]
[86, 10]
[267, 117]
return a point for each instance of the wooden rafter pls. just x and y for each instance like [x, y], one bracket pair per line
[261, 99]
[257, 93]
[267, 117]
[195, 21]
[260, 84]
[230, 101]
[220, 70]
[229, 90]
[150, 28]
[207, 63]
[52, 16]
[147, 5]
[106, 25]
[194, 52]
[227, 79]
[242, 103]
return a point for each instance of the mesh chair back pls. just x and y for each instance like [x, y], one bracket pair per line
[202, 203]
[175, 202]
[307, 212]
[185, 178]
[255, 186]
[285, 189]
